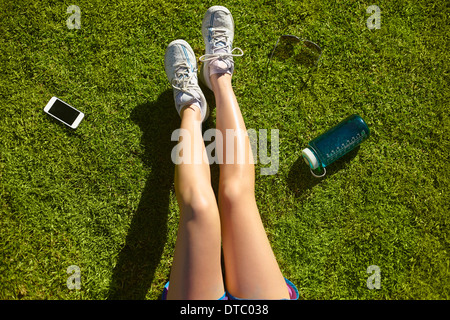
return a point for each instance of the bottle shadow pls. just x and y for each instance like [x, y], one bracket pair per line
[301, 181]
[147, 235]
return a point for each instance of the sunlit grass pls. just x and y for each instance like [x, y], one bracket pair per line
[101, 197]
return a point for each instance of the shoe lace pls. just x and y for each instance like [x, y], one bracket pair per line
[220, 39]
[183, 77]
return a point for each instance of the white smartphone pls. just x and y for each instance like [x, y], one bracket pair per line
[64, 112]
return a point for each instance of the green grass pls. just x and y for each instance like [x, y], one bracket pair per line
[102, 198]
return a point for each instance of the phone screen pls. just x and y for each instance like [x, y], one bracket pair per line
[64, 112]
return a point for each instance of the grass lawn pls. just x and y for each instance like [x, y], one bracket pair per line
[101, 197]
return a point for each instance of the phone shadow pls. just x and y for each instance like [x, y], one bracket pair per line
[147, 235]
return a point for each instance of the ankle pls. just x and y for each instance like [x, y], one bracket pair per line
[220, 80]
[220, 66]
[191, 111]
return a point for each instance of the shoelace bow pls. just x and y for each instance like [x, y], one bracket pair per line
[220, 39]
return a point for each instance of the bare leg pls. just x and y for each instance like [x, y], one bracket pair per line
[251, 270]
[196, 272]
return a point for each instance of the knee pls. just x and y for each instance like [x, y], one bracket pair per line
[235, 192]
[196, 203]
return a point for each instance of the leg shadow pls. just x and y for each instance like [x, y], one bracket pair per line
[147, 235]
[300, 179]
[210, 123]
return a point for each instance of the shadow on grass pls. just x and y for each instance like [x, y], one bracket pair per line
[147, 235]
[210, 123]
[300, 179]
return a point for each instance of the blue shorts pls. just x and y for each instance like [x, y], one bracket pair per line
[293, 292]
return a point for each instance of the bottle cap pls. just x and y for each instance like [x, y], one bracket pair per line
[310, 158]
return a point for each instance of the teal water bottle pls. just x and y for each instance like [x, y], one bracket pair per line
[334, 143]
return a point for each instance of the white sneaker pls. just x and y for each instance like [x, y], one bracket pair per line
[181, 70]
[218, 35]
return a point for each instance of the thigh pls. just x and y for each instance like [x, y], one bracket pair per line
[251, 269]
[196, 270]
